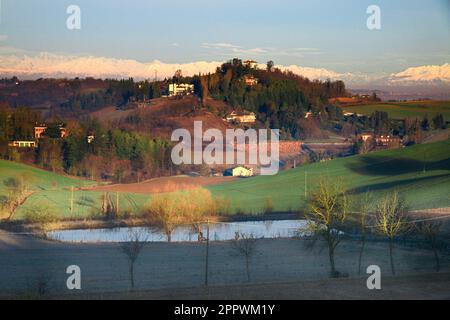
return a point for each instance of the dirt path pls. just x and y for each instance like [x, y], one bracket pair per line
[165, 184]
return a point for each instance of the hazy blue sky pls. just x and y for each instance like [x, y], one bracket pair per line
[328, 34]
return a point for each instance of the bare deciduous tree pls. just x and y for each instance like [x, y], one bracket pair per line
[199, 205]
[245, 245]
[391, 221]
[132, 247]
[431, 230]
[326, 215]
[365, 206]
[18, 190]
[167, 211]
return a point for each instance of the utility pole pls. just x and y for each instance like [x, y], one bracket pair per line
[207, 254]
[71, 201]
[424, 161]
[104, 203]
[117, 203]
[306, 184]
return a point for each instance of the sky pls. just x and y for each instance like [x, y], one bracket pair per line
[325, 34]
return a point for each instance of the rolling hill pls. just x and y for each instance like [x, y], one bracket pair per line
[402, 110]
[420, 173]
[46, 186]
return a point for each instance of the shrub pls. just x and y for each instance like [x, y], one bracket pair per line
[41, 215]
[167, 211]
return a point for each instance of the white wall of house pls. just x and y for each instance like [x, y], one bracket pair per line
[182, 88]
[242, 172]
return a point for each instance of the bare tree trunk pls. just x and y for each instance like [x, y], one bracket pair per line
[247, 265]
[363, 244]
[331, 256]
[436, 256]
[391, 254]
[169, 236]
[132, 274]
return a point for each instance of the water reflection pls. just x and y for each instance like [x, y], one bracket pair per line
[218, 232]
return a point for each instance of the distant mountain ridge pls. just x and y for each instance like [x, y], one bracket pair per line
[48, 65]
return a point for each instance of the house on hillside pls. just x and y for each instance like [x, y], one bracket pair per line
[309, 115]
[242, 171]
[180, 89]
[352, 114]
[241, 117]
[250, 80]
[90, 138]
[23, 144]
[366, 135]
[39, 130]
[373, 142]
[251, 64]
[388, 142]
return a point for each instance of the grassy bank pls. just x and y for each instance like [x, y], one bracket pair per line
[420, 173]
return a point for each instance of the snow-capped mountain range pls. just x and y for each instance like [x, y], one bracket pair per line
[47, 65]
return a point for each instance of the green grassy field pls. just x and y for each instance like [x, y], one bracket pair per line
[420, 173]
[381, 172]
[55, 190]
[402, 110]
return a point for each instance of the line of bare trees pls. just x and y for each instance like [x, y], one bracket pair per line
[328, 214]
[327, 218]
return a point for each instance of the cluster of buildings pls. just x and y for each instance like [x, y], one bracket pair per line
[39, 131]
[380, 141]
[242, 117]
[180, 89]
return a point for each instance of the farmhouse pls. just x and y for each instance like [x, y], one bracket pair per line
[366, 135]
[40, 130]
[251, 64]
[309, 115]
[180, 89]
[23, 144]
[380, 142]
[250, 80]
[90, 138]
[388, 141]
[241, 117]
[242, 172]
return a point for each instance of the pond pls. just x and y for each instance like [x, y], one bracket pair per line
[220, 231]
